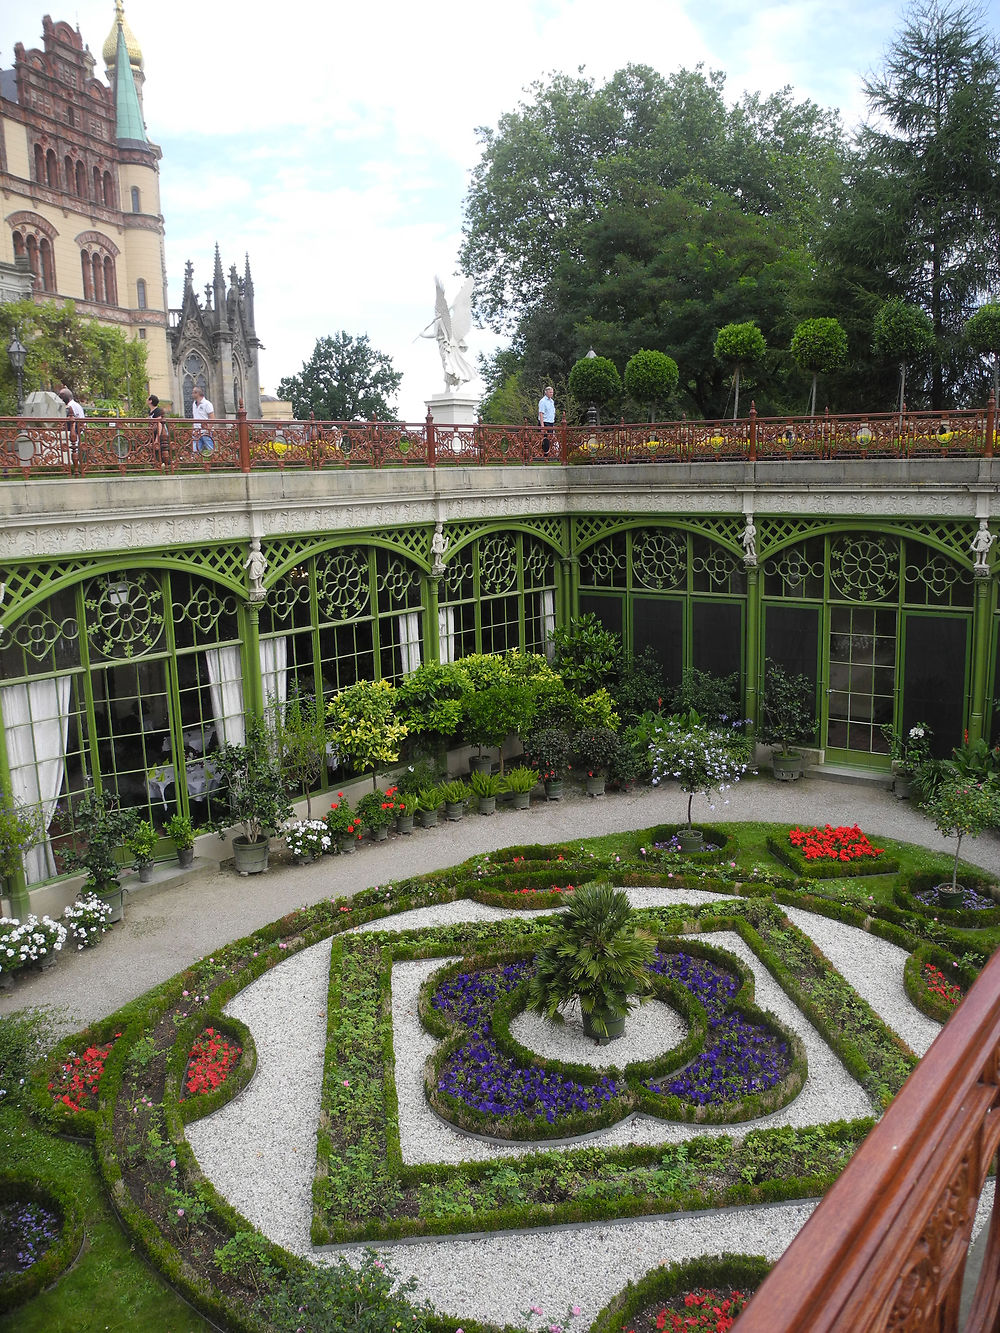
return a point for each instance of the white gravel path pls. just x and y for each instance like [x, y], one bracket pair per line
[260, 1150]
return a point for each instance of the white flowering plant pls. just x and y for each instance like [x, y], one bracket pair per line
[86, 920]
[28, 941]
[910, 749]
[700, 758]
[308, 837]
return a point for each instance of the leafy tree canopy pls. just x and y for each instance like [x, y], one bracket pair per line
[651, 378]
[345, 379]
[595, 379]
[105, 370]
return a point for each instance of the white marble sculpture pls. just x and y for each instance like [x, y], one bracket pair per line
[450, 326]
[439, 544]
[750, 541]
[980, 547]
[256, 567]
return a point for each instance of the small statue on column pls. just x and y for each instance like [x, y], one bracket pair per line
[256, 567]
[749, 541]
[439, 545]
[980, 548]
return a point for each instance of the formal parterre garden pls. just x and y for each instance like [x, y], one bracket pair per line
[99, 1175]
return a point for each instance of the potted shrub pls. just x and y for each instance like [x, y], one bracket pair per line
[428, 804]
[301, 738]
[594, 749]
[180, 831]
[520, 782]
[701, 759]
[788, 719]
[19, 832]
[548, 751]
[597, 955]
[406, 809]
[486, 788]
[104, 827]
[455, 794]
[377, 810]
[344, 825]
[625, 767]
[959, 808]
[491, 714]
[258, 803]
[307, 839]
[141, 843]
[364, 728]
[86, 920]
[908, 753]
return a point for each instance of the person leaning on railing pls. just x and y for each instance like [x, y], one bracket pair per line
[201, 410]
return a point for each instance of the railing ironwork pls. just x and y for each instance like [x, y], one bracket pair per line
[887, 1246]
[37, 446]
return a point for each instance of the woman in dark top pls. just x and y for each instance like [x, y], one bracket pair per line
[160, 437]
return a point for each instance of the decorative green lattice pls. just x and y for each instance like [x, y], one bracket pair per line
[342, 583]
[865, 568]
[284, 596]
[205, 607]
[497, 563]
[458, 578]
[539, 564]
[720, 570]
[795, 573]
[124, 613]
[605, 564]
[932, 579]
[37, 633]
[397, 580]
[659, 558]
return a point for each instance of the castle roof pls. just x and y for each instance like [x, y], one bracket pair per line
[132, 48]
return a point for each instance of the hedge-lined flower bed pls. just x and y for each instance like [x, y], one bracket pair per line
[935, 981]
[41, 1231]
[661, 846]
[831, 852]
[638, 1307]
[979, 911]
[212, 1059]
[76, 1081]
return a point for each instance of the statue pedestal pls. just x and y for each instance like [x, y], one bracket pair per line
[453, 409]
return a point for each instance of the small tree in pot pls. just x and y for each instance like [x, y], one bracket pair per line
[595, 749]
[364, 728]
[700, 758]
[251, 774]
[597, 955]
[789, 718]
[490, 715]
[180, 831]
[548, 751]
[960, 808]
[104, 827]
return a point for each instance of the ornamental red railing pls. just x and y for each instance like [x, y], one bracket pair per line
[36, 446]
[886, 1248]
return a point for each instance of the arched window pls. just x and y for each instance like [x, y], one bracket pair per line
[195, 372]
[31, 245]
[98, 269]
[39, 164]
[81, 180]
[88, 276]
[18, 245]
[135, 200]
[70, 176]
[110, 282]
[109, 191]
[97, 185]
[140, 293]
[52, 169]
[47, 264]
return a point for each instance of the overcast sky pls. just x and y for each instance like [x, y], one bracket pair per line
[334, 141]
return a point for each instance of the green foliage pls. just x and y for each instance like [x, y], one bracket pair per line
[376, 810]
[341, 819]
[430, 698]
[901, 332]
[104, 827]
[488, 784]
[246, 1257]
[819, 346]
[364, 728]
[180, 831]
[301, 737]
[334, 1298]
[98, 362]
[25, 1036]
[585, 654]
[739, 346]
[520, 779]
[959, 808]
[549, 750]
[595, 379]
[20, 830]
[595, 954]
[982, 333]
[455, 792]
[714, 698]
[255, 785]
[141, 842]
[651, 378]
[595, 748]
[345, 379]
[788, 709]
[700, 758]
[489, 715]
[908, 752]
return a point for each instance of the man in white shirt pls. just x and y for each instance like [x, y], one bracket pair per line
[74, 415]
[201, 410]
[547, 416]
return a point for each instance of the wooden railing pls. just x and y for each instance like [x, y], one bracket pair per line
[886, 1248]
[53, 447]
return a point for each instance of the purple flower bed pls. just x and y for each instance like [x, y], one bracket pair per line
[971, 900]
[741, 1057]
[27, 1230]
[479, 1075]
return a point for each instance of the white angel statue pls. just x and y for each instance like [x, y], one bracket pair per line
[450, 326]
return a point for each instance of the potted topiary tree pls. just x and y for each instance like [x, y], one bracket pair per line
[20, 830]
[257, 801]
[701, 759]
[141, 842]
[595, 749]
[788, 718]
[548, 751]
[180, 831]
[104, 828]
[959, 808]
[364, 728]
[597, 955]
[490, 715]
[739, 346]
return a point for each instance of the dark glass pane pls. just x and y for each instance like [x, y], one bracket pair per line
[791, 637]
[608, 611]
[717, 631]
[658, 623]
[934, 677]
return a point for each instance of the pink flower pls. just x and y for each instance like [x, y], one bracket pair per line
[346, 1083]
[180, 1212]
[575, 1310]
[536, 1309]
[173, 1163]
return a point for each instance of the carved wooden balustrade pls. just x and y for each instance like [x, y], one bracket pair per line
[886, 1248]
[35, 446]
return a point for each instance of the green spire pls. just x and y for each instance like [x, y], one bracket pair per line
[128, 117]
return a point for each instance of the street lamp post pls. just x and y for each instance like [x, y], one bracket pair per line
[18, 354]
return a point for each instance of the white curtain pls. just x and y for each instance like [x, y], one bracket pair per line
[409, 641]
[36, 719]
[225, 684]
[547, 604]
[274, 676]
[446, 634]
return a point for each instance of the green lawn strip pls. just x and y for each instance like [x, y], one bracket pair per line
[357, 1163]
[108, 1286]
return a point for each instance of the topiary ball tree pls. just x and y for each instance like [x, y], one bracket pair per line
[595, 379]
[982, 333]
[819, 346]
[650, 379]
[901, 333]
[738, 346]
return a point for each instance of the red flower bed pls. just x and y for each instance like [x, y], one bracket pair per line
[211, 1059]
[939, 985]
[78, 1079]
[846, 843]
[553, 888]
[707, 1311]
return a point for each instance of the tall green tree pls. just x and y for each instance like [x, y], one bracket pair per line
[902, 333]
[818, 346]
[105, 369]
[345, 379]
[983, 335]
[921, 211]
[739, 346]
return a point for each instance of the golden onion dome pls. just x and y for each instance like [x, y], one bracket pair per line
[110, 51]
